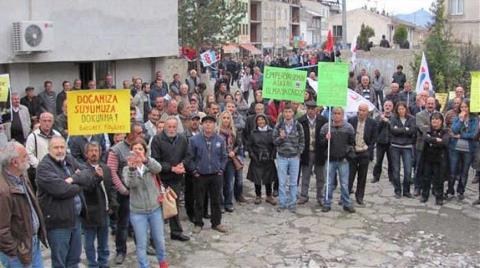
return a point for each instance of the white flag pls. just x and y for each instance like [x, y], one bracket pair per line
[423, 75]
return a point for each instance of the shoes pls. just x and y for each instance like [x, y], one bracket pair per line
[326, 209]
[220, 228]
[340, 203]
[119, 259]
[229, 210]
[163, 264]
[408, 195]
[416, 192]
[241, 199]
[258, 200]
[398, 196]
[360, 201]
[438, 202]
[476, 202]
[375, 180]
[151, 251]
[179, 237]
[320, 204]
[293, 210]
[302, 200]
[271, 200]
[449, 196]
[275, 193]
[423, 199]
[197, 229]
[349, 209]
[461, 197]
[280, 209]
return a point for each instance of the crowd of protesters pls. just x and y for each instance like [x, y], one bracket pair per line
[54, 187]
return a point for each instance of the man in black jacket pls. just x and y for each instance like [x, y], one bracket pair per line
[61, 200]
[311, 158]
[365, 135]
[101, 200]
[383, 142]
[170, 149]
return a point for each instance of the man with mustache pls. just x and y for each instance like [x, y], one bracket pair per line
[21, 223]
[60, 194]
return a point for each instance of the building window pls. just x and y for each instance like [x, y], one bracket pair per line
[456, 7]
[337, 30]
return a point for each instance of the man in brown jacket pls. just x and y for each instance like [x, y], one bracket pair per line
[21, 225]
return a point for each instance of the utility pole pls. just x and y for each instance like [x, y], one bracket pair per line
[344, 23]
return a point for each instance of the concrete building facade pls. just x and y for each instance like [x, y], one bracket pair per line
[381, 24]
[89, 39]
[463, 17]
[314, 23]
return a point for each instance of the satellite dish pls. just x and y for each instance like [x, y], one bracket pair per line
[33, 35]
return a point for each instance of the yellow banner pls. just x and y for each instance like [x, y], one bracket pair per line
[442, 99]
[4, 87]
[98, 111]
[475, 93]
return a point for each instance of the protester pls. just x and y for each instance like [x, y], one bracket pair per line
[101, 201]
[117, 160]
[383, 142]
[169, 148]
[61, 121]
[342, 139]
[313, 155]
[21, 122]
[378, 85]
[407, 95]
[433, 159]
[461, 149]
[261, 150]
[365, 90]
[47, 98]
[399, 77]
[22, 222]
[365, 129]
[31, 102]
[207, 172]
[60, 186]
[402, 140]
[289, 140]
[145, 211]
[394, 95]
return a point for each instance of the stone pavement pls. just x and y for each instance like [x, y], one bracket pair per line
[387, 232]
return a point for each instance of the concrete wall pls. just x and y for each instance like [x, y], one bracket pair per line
[385, 60]
[466, 27]
[125, 69]
[87, 30]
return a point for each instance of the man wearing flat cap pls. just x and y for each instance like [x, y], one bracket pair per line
[313, 155]
[206, 160]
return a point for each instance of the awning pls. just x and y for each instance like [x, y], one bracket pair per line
[230, 49]
[251, 48]
[313, 13]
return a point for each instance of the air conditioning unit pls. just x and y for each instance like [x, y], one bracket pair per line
[32, 36]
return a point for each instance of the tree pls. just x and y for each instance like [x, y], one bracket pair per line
[400, 36]
[209, 22]
[442, 57]
[365, 33]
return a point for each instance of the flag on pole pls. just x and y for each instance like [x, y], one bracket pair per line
[353, 49]
[329, 45]
[423, 75]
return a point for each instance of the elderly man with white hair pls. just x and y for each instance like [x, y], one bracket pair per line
[60, 186]
[22, 224]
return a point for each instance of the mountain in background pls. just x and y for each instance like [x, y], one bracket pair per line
[420, 17]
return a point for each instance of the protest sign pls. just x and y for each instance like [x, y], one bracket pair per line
[475, 93]
[284, 84]
[208, 58]
[332, 86]
[98, 111]
[4, 87]
[442, 98]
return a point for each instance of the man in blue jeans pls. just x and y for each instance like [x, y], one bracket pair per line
[101, 199]
[342, 139]
[289, 141]
[60, 186]
[22, 221]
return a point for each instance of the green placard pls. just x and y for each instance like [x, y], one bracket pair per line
[332, 87]
[284, 84]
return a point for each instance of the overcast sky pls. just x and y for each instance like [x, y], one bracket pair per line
[392, 6]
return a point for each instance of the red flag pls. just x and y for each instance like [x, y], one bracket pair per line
[329, 45]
